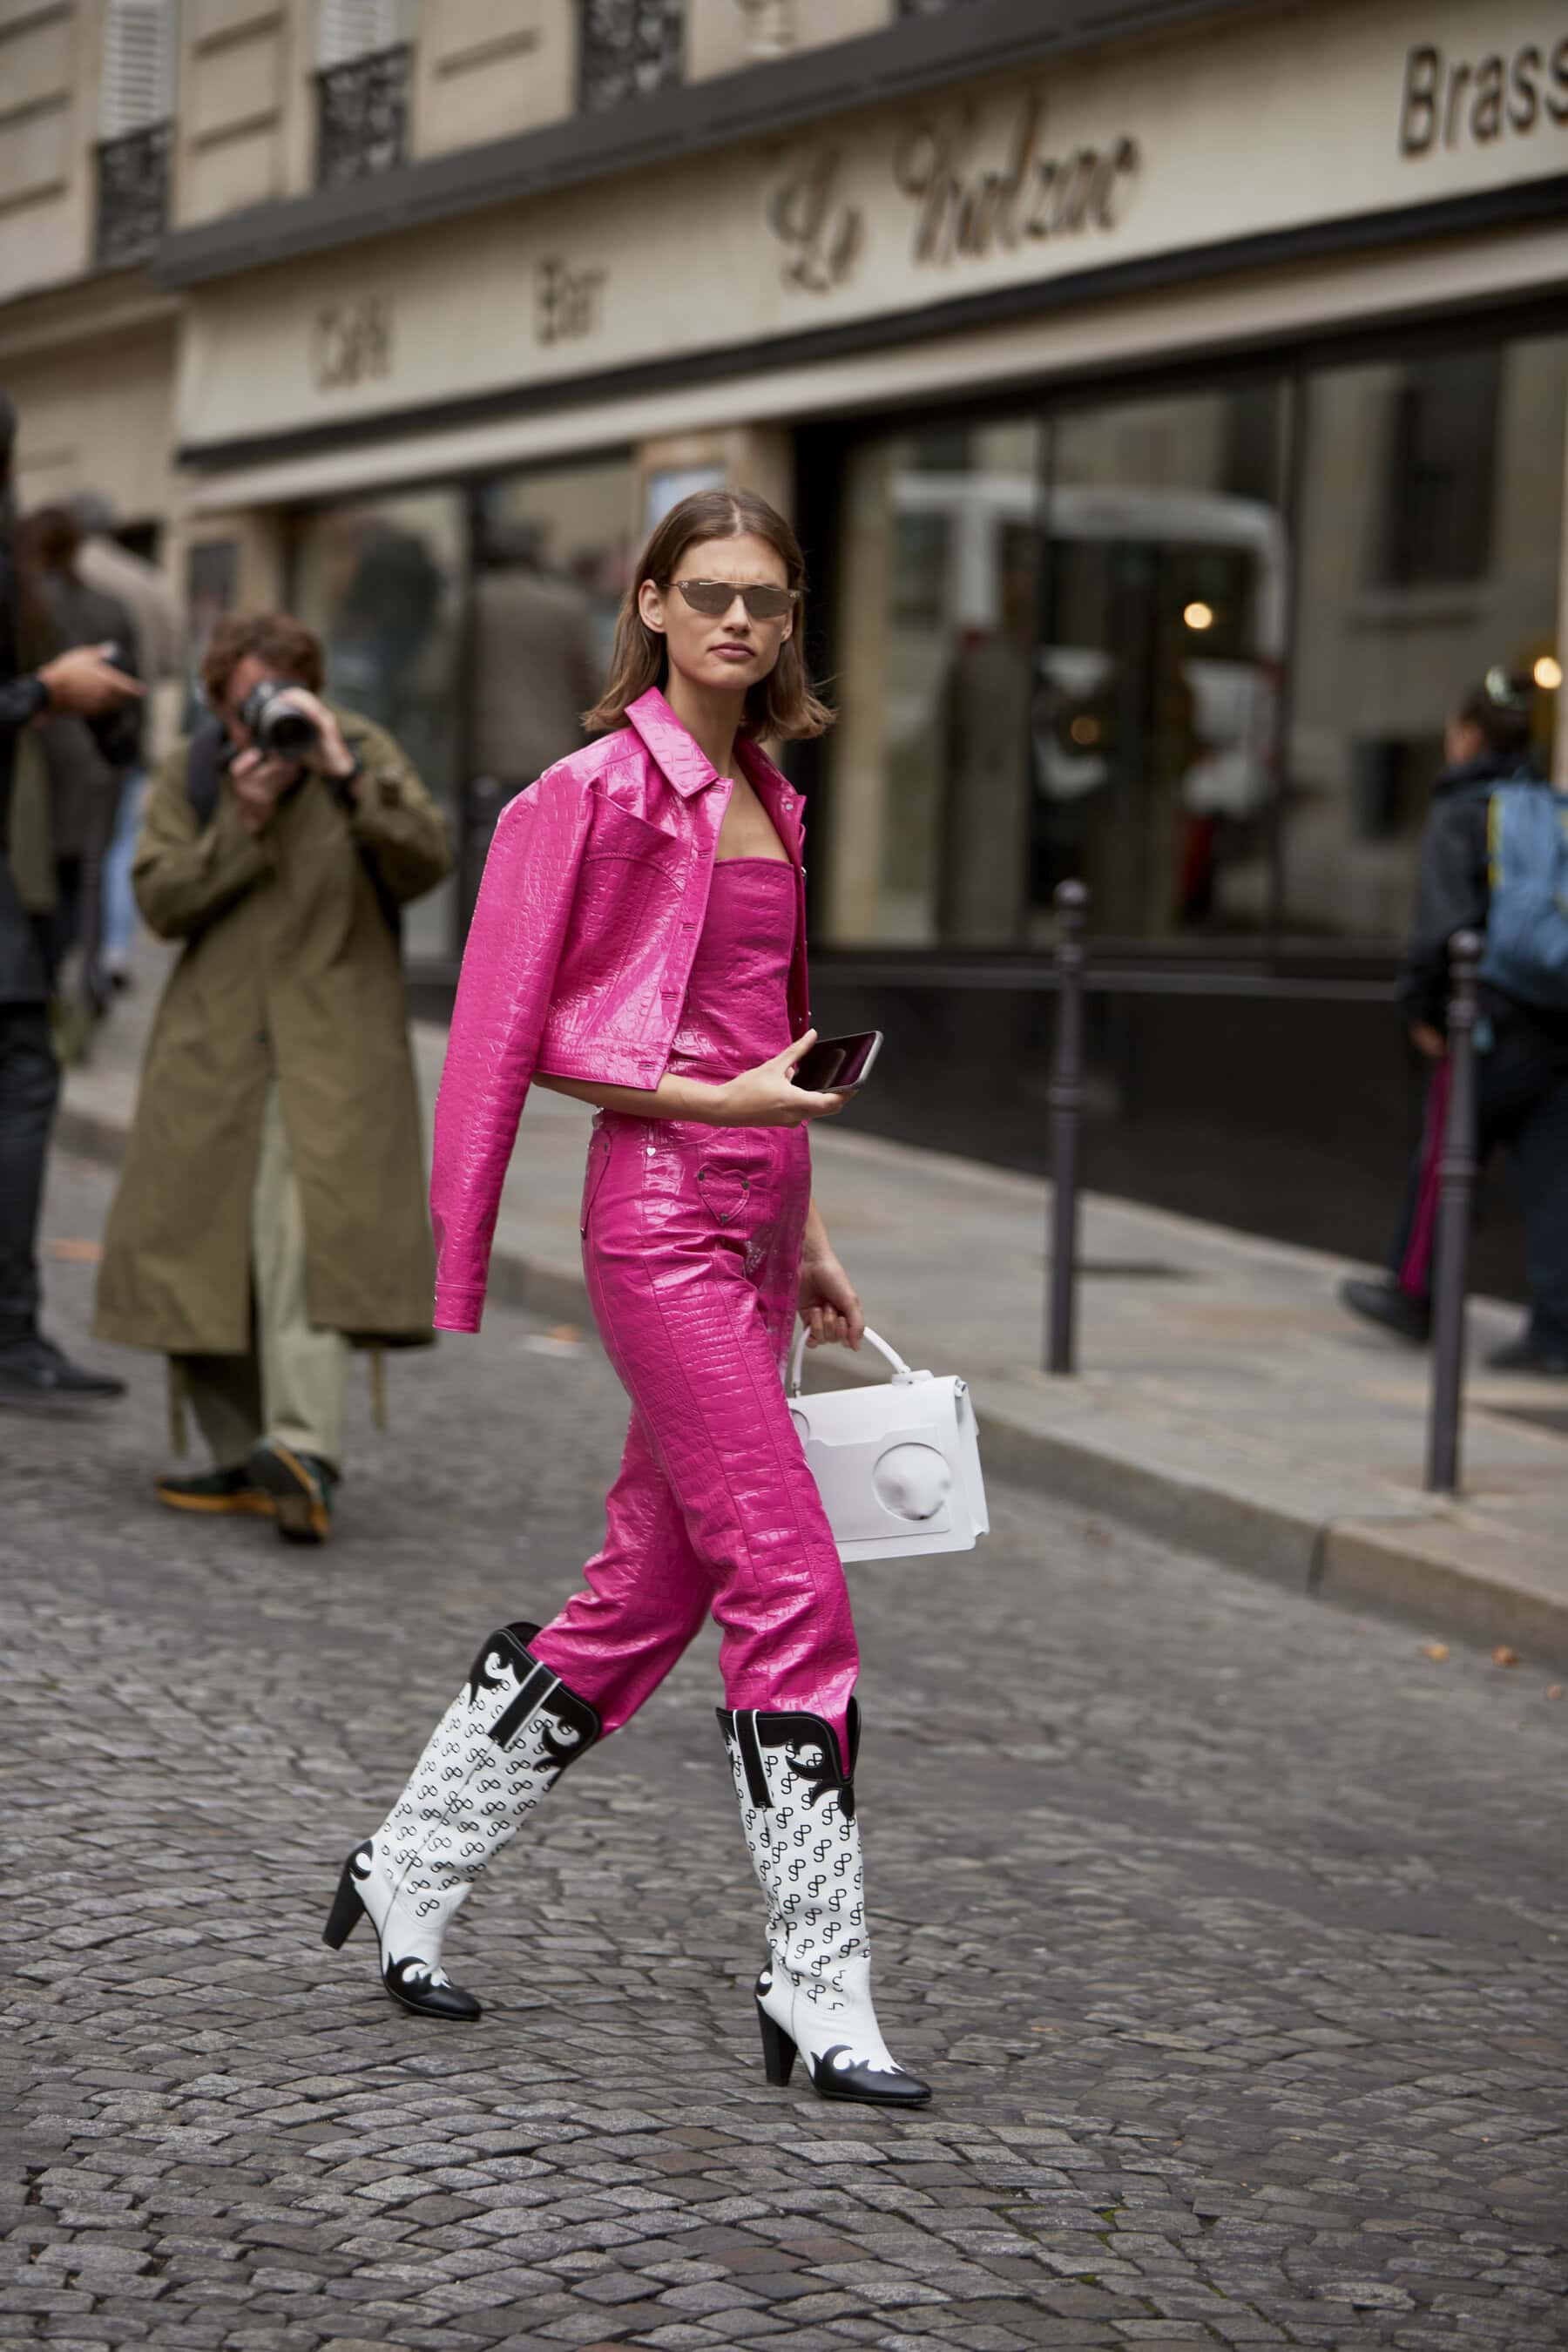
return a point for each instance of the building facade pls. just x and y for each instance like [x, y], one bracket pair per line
[1176, 419]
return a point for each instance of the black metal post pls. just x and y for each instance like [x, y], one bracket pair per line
[1457, 1178]
[1065, 1096]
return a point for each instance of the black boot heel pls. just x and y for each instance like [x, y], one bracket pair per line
[347, 1911]
[778, 2050]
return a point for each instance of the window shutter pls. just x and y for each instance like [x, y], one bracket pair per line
[354, 29]
[138, 86]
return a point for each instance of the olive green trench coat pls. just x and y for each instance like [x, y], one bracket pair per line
[291, 971]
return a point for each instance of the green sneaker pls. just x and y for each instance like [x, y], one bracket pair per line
[300, 1487]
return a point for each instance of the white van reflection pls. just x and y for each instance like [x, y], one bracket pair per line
[1212, 566]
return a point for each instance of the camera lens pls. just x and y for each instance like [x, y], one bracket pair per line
[286, 732]
[277, 726]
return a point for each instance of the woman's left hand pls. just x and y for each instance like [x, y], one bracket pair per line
[828, 1305]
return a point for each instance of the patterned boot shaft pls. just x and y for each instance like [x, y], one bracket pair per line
[797, 1810]
[499, 1749]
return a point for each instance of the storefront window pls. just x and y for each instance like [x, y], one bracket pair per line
[380, 582]
[931, 762]
[475, 623]
[1430, 534]
[1156, 708]
[552, 556]
[1062, 645]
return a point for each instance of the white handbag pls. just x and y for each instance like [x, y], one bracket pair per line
[898, 1467]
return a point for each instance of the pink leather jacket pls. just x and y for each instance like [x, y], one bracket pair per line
[591, 904]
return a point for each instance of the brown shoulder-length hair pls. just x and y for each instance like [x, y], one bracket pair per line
[782, 704]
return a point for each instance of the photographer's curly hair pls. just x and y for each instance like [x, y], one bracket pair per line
[285, 644]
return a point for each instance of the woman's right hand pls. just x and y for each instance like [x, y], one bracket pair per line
[765, 1096]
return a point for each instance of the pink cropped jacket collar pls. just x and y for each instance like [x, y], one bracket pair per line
[578, 957]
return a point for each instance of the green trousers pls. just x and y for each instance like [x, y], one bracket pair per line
[291, 1385]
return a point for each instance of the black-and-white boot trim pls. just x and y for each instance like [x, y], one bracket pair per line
[798, 1808]
[500, 1746]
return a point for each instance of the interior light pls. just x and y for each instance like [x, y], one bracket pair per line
[1084, 729]
[1547, 673]
[1198, 617]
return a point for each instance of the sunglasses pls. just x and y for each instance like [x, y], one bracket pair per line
[713, 598]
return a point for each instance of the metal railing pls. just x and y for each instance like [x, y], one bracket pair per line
[629, 49]
[362, 116]
[132, 196]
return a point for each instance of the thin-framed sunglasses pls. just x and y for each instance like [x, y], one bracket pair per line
[713, 598]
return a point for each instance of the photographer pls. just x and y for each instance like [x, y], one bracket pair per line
[272, 1209]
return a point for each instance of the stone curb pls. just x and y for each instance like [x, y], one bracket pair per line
[1396, 1567]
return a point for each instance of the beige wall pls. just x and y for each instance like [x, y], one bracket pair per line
[723, 34]
[486, 69]
[837, 226]
[48, 110]
[97, 413]
[244, 134]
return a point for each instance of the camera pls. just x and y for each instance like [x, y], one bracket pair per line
[277, 725]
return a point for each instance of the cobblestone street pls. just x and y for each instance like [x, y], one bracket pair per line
[1232, 1934]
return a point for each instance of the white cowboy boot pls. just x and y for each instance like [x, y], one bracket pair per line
[501, 1745]
[798, 1808]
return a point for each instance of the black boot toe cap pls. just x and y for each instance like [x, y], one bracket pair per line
[415, 1986]
[836, 2075]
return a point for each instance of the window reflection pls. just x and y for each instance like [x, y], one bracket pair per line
[380, 581]
[1063, 652]
[1155, 718]
[931, 757]
[1431, 514]
[552, 556]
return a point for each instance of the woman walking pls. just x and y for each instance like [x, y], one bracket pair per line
[640, 943]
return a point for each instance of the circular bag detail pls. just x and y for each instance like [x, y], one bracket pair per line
[802, 1427]
[911, 1481]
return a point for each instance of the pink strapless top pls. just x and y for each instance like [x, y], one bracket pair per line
[736, 1011]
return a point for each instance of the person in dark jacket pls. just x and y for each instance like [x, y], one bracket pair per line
[88, 761]
[33, 1371]
[1522, 1072]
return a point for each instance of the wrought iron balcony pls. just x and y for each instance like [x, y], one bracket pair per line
[631, 48]
[362, 116]
[132, 196]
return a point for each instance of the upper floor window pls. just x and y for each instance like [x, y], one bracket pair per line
[630, 49]
[1440, 479]
[363, 56]
[136, 97]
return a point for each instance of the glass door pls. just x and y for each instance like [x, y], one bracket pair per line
[1158, 662]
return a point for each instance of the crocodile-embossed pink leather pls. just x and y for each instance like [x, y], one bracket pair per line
[691, 1248]
[594, 898]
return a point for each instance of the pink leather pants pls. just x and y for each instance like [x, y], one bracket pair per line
[691, 1248]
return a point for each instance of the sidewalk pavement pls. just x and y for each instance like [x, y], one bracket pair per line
[1226, 1401]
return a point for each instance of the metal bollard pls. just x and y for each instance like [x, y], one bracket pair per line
[1065, 1097]
[1456, 1182]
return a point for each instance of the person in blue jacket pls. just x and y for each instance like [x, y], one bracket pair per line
[1493, 815]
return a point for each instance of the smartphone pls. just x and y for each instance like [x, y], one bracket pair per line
[836, 1065]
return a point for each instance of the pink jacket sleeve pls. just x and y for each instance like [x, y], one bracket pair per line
[515, 943]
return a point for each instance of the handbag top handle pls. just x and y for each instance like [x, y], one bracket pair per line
[797, 1359]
